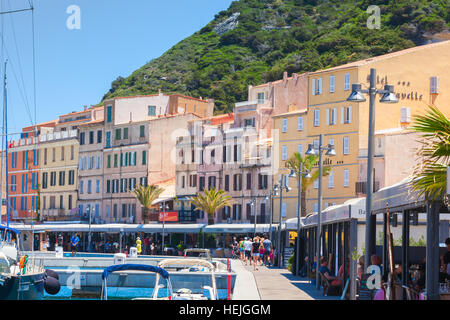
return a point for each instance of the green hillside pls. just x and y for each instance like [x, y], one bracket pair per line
[254, 41]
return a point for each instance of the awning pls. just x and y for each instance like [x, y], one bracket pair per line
[237, 228]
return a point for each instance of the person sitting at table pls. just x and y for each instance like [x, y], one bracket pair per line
[325, 271]
[360, 271]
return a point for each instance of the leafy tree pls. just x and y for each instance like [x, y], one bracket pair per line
[430, 175]
[146, 195]
[211, 201]
[308, 163]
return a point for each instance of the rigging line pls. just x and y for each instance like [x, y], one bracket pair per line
[34, 65]
[18, 85]
[18, 57]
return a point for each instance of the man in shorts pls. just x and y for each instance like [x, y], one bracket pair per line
[248, 250]
[267, 249]
[74, 242]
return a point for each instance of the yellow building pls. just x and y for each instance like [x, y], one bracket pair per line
[58, 152]
[420, 78]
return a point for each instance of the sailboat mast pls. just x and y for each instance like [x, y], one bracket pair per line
[5, 108]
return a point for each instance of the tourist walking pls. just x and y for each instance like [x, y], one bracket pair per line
[267, 250]
[261, 252]
[255, 253]
[241, 249]
[138, 245]
[247, 251]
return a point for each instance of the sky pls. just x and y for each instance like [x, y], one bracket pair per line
[75, 66]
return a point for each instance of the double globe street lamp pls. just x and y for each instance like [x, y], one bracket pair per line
[329, 152]
[388, 96]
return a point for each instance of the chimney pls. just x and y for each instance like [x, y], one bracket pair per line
[159, 91]
[285, 75]
[294, 75]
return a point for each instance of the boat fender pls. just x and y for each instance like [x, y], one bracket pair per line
[51, 285]
[51, 273]
[23, 263]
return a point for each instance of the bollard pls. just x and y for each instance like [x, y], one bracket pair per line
[229, 287]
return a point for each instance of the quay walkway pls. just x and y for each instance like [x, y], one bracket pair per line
[274, 284]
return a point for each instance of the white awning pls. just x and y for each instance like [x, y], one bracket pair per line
[238, 228]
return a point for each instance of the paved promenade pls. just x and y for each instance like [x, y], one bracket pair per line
[273, 284]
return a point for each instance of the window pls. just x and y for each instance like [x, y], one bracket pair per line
[405, 115]
[97, 186]
[237, 209]
[346, 145]
[249, 122]
[284, 153]
[249, 181]
[108, 186]
[183, 182]
[313, 86]
[125, 133]
[53, 154]
[284, 126]
[283, 209]
[61, 202]
[69, 203]
[211, 182]
[45, 156]
[62, 178]
[227, 182]
[319, 86]
[152, 110]
[82, 138]
[108, 114]
[346, 114]
[331, 83]
[91, 137]
[434, 85]
[260, 97]
[52, 178]
[115, 160]
[108, 139]
[347, 81]
[144, 157]
[89, 186]
[123, 185]
[81, 187]
[237, 182]
[300, 123]
[201, 183]
[118, 134]
[193, 180]
[99, 136]
[316, 117]
[262, 181]
[346, 178]
[71, 177]
[72, 152]
[142, 131]
[300, 149]
[316, 184]
[333, 118]
[331, 180]
[331, 141]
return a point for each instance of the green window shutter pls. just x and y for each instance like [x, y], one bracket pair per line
[134, 159]
[125, 133]
[121, 159]
[115, 161]
[118, 134]
[144, 157]
[142, 131]
[109, 161]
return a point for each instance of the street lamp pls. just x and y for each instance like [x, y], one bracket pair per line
[388, 96]
[299, 174]
[253, 204]
[163, 206]
[273, 192]
[282, 184]
[329, 152]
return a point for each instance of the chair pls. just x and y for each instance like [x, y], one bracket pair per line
[327, 285]
[411, 294]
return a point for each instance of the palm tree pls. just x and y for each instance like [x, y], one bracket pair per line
[146, 195]
[211, 201]
[431, 173]
[308, 163]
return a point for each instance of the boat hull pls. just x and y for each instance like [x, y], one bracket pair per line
[26, 287]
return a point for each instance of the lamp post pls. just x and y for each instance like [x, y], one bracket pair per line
[300, 173]
[283, 184]
[273, 192]
[253, 204]
[329, 152]
[388, 96]
[163, 206]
